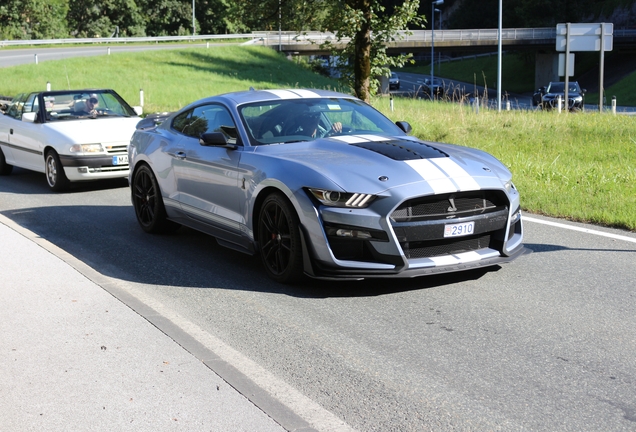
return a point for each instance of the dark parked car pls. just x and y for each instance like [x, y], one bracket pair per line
[394, 81]
[547, 97]
[426, 90]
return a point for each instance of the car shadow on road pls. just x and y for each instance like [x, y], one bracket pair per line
[33, 183]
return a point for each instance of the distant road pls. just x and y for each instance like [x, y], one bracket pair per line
[14, 57]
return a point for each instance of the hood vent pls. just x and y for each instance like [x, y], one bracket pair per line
[402, 150]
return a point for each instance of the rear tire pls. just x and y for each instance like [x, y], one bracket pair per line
[148, 203]
[5, 168]
[55, 175]
[279, 239]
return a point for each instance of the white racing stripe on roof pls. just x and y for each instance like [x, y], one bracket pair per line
[284, 94]
[293, 94]
[463, 180]
[439, 182]
[306, 93]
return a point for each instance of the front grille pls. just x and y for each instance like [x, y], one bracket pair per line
[117, 149]
[419, 223]
[430, 249]
[459, 204]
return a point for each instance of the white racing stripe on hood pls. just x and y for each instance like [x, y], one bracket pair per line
[437, 180]
[354, 139]
[462, 179]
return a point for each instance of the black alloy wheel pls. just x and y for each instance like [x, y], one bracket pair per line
[279, 239]
[55, 175]
[148, 204]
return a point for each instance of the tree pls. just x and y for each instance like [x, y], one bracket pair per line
[368, 27]
[33, 19]
[101, 18]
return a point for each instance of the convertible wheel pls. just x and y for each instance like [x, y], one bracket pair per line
[5, 168]
[55, 176]
[279, 238]
[149, 208]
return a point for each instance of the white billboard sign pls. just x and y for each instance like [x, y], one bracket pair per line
[585, 37]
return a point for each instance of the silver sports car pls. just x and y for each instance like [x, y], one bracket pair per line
[322, 184]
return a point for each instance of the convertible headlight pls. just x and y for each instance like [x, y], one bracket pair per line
[342, 199]
[87, 148]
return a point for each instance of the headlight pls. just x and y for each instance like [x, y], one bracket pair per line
[342, 199]
[509, 186]
[87, 148]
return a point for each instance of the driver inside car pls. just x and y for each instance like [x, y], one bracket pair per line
[87, 106]
[309, 125]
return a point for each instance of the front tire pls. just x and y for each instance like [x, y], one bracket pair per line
[148, 203]
[5, 168]
[279, 239]
[55, 175]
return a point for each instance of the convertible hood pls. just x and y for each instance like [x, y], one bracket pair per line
[116, 129]
[371, 164]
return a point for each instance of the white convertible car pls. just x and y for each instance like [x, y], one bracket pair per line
[71, 136]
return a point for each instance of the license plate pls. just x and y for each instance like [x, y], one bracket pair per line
[459, 229]
[120, 160]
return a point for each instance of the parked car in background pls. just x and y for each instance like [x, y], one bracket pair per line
[431, 91]
[71, 136]
[321, 183]
[394, 81]
[547, 97]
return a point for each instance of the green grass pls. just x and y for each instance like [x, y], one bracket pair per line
[576, 166]
[170, 79]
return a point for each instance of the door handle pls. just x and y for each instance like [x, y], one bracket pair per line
[180, 155]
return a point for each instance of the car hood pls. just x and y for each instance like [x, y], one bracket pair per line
[102, 130]
[373, 164]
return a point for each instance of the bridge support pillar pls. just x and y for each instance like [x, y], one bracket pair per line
[546, 69]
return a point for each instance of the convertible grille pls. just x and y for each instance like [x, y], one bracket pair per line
[116, 149]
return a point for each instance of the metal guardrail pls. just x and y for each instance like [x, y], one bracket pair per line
[294, 38]
[124, 40]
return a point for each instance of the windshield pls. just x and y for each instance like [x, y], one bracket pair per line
[78, 105]
[293, 120]
[559, 87]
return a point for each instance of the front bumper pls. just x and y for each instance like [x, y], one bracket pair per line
[83, 168]
[401, 245]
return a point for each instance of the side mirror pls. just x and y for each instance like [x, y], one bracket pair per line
[29, 117]
[583, 91]
[405, 126]
[215, 139]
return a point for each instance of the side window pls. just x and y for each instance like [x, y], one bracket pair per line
[203, 119]
[31, 104]
[15, 109]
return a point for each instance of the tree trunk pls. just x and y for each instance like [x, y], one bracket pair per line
[362, 58]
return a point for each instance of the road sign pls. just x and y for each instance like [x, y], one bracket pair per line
[585, 37]
[570, 65]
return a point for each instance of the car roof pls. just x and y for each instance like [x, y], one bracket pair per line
[239, 98]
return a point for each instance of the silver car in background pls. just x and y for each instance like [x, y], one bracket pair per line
[322, 184]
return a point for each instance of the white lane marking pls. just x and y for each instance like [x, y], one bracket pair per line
[585, 230]
[437, 180]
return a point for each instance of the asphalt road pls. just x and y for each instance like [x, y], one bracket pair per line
[547, 342]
